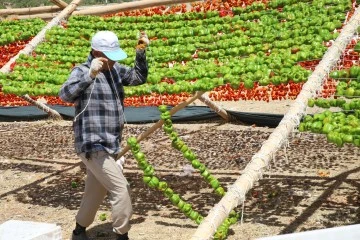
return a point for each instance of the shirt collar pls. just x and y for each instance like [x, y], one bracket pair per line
[89, 59]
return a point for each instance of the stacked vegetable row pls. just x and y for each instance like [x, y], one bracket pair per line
[15, 34]
[342, 126]
[19, 30]
[339, 127]
[259, 45]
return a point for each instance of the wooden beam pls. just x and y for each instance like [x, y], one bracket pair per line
[53, 114]
[214, 107]
[61, 4]
[107, 9]
[159, 123]
[28, 11]
[44, 16]
[127, 6]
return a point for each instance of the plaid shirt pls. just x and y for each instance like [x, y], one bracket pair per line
[99, 110]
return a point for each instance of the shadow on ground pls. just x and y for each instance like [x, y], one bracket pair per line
[284, 201]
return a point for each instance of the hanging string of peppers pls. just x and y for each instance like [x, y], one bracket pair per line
[155, 183]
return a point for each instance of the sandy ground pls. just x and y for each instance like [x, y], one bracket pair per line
[309, 185]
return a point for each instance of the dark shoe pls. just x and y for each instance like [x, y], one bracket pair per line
[122, 236]
[80, 236]
[79, 233]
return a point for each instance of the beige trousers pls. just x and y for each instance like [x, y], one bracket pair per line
[104, 175]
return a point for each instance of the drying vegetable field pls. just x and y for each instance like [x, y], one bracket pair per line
[253, 56]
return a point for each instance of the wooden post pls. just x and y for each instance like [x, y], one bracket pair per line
[213, 106]
[159, 123]
[54, 114]
[39, 38]
[61, 4]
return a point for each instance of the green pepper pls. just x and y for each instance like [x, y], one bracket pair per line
[177, 144]
[149, 171]
[347, 138]
[135, 148]
[168, 122]
[357, 47]
[316, 127]
[194, 215]
[139, 156]
[327, 128]
[146, 179]
[165, 115]
[102, 217]
[168, 192]
[195, 163]
[154, 182]
[143, 164]
[162, 186]
[175, 198]
[248, 84]
[311, 102]
[214, 183]
[340, 102]
[168, 129]
[202, 167]
[180, 204]
[184, 148]
[173, 135]
[199, 219]
[354, 71]
[132, 141]
[186, 208]
[220, 191]
[302, 127]
[187, 155]
[205, 174]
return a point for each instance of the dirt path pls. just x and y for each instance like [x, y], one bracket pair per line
[313, 186]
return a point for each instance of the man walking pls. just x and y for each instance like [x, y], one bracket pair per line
[96, 88]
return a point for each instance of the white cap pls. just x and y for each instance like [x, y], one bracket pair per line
[108, 43]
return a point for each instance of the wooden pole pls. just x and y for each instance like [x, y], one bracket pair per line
[213, 106]
[61, 4]
[159, 123]
[40, 36]
[261, 160]
[127, 6]
[29, 11]
[108, 9]
[54, 114]
[43, 16]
